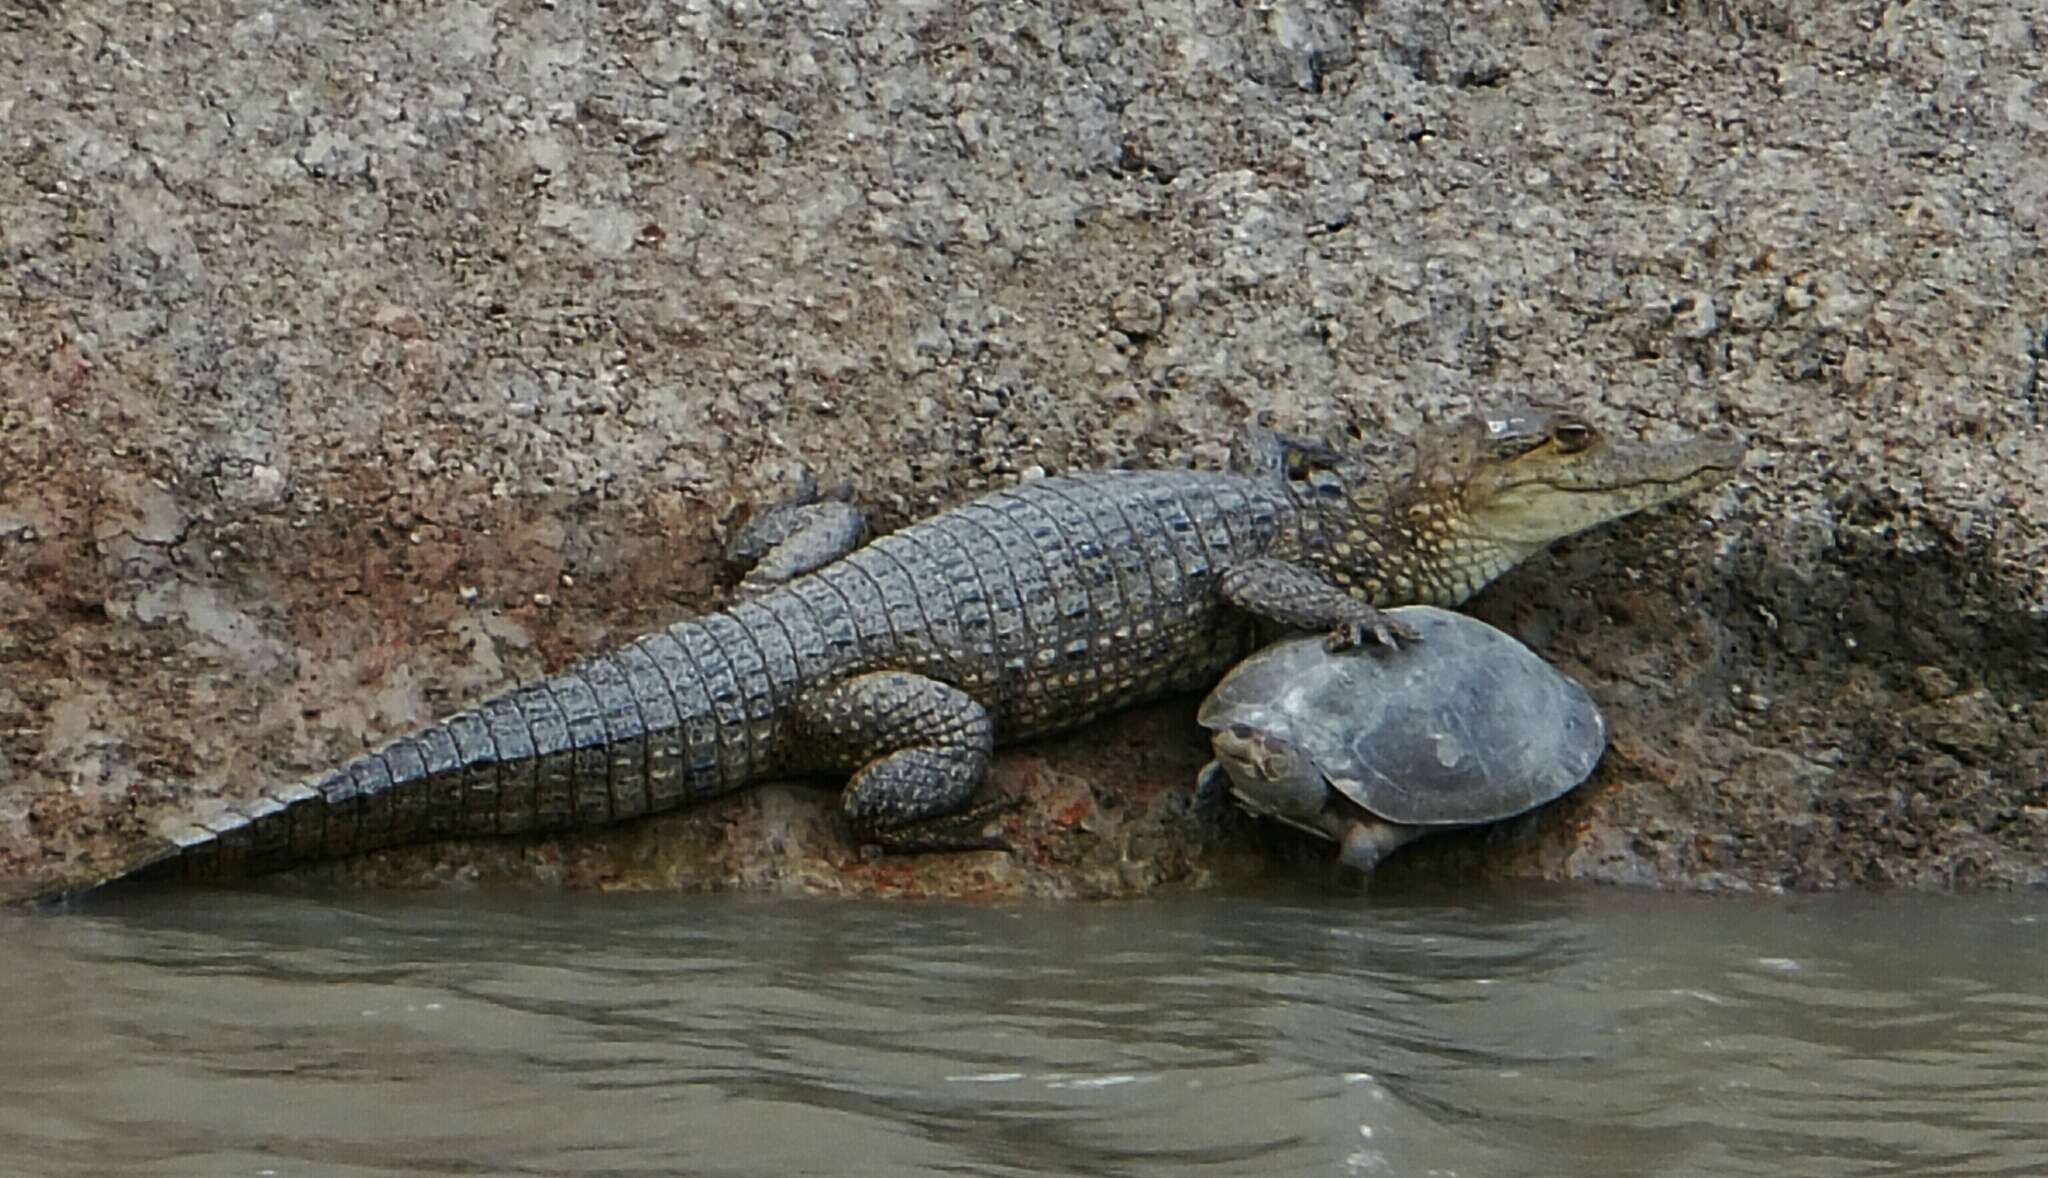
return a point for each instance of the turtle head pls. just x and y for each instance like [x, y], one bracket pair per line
[1272, 776]
[1491, 489]
[1258, 755]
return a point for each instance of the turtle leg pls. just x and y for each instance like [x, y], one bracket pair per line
[1212, 791]
[1369, 841]
[1300, 599]
[798, 535]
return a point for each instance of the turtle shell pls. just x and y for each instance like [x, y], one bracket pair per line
[1464, 727]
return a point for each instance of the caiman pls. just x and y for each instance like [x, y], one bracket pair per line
[899, 664]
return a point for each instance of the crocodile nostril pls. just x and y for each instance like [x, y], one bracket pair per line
[1241, 731]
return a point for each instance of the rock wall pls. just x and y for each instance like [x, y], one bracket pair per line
[357, 360]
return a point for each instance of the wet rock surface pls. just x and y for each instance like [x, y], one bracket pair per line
[355, 362]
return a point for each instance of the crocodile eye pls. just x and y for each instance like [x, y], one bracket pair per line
[1572, 436]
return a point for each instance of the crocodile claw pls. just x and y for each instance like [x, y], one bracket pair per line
[1379, 629]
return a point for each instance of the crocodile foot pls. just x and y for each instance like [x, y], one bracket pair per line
[1374, 629]
[961, 831]
[801, 534]
[1300, 598]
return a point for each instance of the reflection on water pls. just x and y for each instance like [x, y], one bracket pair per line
[1466, 1034]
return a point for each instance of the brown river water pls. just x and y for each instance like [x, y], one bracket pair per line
[1453, 1034]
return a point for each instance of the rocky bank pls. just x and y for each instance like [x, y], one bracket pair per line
[357, 360]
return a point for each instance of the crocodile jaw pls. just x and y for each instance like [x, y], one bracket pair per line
[1609, 483]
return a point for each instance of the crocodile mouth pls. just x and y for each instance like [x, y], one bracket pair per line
[1571, 492]
[1692, 463]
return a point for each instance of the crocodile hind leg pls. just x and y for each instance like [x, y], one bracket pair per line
[795, 535]
[919, 749]
[798, 535]
[1301, 599]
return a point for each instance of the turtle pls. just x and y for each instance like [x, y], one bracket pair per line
[1375, 748]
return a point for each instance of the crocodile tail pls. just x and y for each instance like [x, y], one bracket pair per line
[638, 730]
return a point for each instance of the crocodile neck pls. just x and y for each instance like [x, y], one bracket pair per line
[1393, 547]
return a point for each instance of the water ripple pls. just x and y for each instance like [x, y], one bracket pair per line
[1534, 1034]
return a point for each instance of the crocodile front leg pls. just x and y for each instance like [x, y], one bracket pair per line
[919, 749]
[1301, 599]
[1265, 453]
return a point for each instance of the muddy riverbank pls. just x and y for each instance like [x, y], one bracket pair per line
[355, 363]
